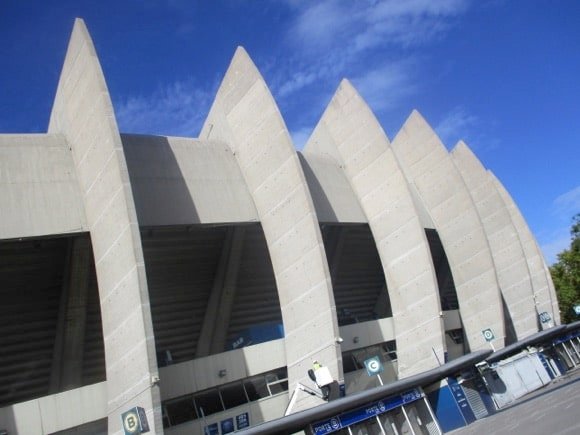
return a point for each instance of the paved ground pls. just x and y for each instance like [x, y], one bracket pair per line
[552, 410]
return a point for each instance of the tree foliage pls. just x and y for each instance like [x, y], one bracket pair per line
[566, 275]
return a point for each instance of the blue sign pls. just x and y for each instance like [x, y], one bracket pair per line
[135, 421]
[488, 334]
[374, 366]
[459, 396]
[212, 429]
[242, 421]
[227, 425]
[546, 365]
[545, 317]
[349, 418]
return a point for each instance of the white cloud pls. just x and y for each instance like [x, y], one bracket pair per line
[559, 240]
[317, 23]
[456, 125]
[297, 81]
[384, 86]
[406, 23]
[460, 124]
[373, 43]
[362, 25]
[568, 204]
[178, 109]
[564, 207]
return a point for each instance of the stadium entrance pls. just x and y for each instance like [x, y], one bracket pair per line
[407, 413]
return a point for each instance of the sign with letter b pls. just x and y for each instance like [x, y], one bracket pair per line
[135, 421]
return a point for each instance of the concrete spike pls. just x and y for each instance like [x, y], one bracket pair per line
[349, 131]
[442, 190]
[506, 250]
[83, 114]
[245, 116]
[544, 293]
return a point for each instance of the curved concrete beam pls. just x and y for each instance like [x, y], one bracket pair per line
[83, 113]
[429, 167]
[508, 256]
[245, 116]
[544, 293]
[349, 134]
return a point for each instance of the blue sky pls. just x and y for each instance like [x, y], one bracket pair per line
[502, 75]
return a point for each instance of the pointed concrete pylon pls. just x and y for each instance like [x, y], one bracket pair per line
[506, 250]
[429, 167]
[544, 293]
[83, 114]
[349, 133]
[245, 117]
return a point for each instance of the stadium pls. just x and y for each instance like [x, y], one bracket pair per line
[198, 279]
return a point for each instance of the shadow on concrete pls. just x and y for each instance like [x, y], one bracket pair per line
[324, 209]
[510, 331]
[159, 188]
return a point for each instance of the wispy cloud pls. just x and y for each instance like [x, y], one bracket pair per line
[373, 43]
[559, 240]
[297, 81]
[460, 124]
[178, 109]
[363, 25]
[568, 204]
[386, 85]
[564, 207]
[456, 125]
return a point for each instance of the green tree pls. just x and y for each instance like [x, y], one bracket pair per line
[566, 275]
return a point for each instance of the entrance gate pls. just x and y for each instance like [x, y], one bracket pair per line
[408, 413]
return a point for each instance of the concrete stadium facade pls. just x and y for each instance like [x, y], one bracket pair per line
[198, 278]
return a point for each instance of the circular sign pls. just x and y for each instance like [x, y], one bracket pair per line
[488, 335]
[374, 365]
[131, 422]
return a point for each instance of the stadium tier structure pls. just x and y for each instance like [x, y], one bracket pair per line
[198, 278]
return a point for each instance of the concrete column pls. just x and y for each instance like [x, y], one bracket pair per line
[349, 134]
[228, 292]
[544, 295]
[426, 164]
[217, 316]
[506, 250]
[553, 295]
[69, 346]
[83, 114]
[245, 117]
[337, 244]
[213, 307]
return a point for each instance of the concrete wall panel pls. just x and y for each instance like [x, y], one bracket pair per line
[244, 115]
[83, 113]
[429, 167]
[349, 126]
[181, 181]
[38, 187]
[544, 293]
[506, 250]
[56, 412]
